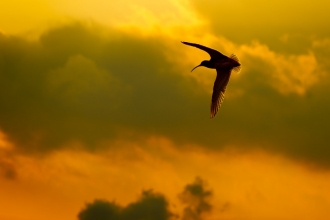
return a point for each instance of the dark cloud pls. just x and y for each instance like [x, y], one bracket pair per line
[196, 198]
[7, 169]
[88, 83]
[100, 210]
[154, 206]
[150, 206]
[75, 84]
[7, 165]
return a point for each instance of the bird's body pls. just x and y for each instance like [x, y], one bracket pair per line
[224, 66]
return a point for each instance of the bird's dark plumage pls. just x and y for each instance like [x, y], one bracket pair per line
[224, 66]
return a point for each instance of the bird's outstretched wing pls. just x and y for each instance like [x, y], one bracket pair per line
[219, 90]
[214, 54]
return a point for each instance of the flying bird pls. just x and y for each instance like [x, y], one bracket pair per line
[224, 66]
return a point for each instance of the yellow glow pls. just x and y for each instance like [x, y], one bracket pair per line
[4, 143]
[23, 16]
[255, 185]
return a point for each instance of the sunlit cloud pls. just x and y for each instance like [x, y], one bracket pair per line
[242, 184]
[288, 73]
[142, 17]
[7, 164]
[4, 142]
[293, 73]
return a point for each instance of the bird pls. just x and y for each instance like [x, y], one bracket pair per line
[224, 66]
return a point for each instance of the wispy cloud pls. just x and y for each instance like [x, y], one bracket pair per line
[196, 197]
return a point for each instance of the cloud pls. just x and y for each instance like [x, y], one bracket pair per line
[81, 78]
[99, 210]
[287, 74]
[150, 206]
[153, 205]
[251, 185]
[7, 169]
[7, 162]
[75, 84]
[88, 84]
[196, 197]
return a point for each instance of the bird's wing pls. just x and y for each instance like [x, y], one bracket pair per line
[219, 90]
[213, 53]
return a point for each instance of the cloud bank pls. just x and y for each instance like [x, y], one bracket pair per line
[89, 84]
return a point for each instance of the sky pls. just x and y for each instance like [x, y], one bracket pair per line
[101, 117]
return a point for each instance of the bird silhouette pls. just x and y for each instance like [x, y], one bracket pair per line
[224, 66]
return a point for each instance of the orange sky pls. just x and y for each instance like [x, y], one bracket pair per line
[98, 102]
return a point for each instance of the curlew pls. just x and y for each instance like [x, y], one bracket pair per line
[224, 66]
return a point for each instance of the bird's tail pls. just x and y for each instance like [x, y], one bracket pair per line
[236, 68]
[234, 57]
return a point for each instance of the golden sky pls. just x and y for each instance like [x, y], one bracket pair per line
[101, 117]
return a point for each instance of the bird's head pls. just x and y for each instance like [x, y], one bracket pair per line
[203, 63]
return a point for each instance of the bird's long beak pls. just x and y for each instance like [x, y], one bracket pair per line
[195, 68]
